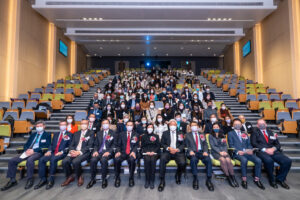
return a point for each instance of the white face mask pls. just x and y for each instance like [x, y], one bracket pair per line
[92, 119]
[228, 121]
[63, 128]
[83, 127]
[151, 106]
[159, 119]
[194, 128]
[105, 126]
[69, 121]
[129, 128]
[39, 129]
[126, 120]
[123, 106]
[213, 120]
[144, 121]
[108, 108]
[173, 128]
[150, 130]
[223, 107]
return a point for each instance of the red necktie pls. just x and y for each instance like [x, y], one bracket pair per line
[128, 144]
[196, 141]
[266, 137]
[58, 143]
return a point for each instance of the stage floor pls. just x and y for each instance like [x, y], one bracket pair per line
[172, 191]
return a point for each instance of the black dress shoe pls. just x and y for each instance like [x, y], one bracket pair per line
[40, 184]
[9, 184]
[235, 182]
[244, 184]
[49, 185]
[177, 179]
[147, 184]
[91, 183]
[273, 184]
[29, 184]
[283, 184]
[104, 183]
[131, 182]
[151, 185]
[117, 182]
[195, 184]
[259, 184]
[209, 185]
[161, 186]
[230, 181]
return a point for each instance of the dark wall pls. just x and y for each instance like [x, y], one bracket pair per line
[134, 61]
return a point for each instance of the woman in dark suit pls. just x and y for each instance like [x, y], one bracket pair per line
[150, 148]
[219, 151]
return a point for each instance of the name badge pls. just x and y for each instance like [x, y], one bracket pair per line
[94, 128]
[272, 138]
[43, 141]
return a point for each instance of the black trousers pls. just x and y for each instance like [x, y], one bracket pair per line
[53, 165]
[166, 157]
[131, 163]
[284, 162]
[68, 162]
[150, 167]
[104, 165]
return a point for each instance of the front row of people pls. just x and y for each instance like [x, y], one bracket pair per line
[105, 145]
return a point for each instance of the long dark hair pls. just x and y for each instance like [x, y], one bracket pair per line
[73, 122]
[213, 133]
[162, 122]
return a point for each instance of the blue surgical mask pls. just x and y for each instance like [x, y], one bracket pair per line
[216, 130]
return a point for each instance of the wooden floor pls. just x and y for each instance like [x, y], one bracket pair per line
[172, 191]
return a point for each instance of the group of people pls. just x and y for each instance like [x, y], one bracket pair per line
[143, 116]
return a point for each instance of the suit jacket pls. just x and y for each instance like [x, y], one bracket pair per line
[182, 127]
[86, 145]
[121, 127]
[98, 113]
[45, 142]
[130, 102]
[122, 142]
[249, 127]
[95, 127]
[258, 140]
[217, 145]
[234, 142]
[212, 95]
[65, 142]
[109, 142]
[190, 142]
[166, 140]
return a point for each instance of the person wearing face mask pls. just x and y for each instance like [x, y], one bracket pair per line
[93, 125]
[103, 152]
[120, 99]
[173, 149]
[209, 124]
[269, 151]
[207, 101]
[181, 126]
[150, 146]
[184, 111]
[109, 111]
[32, 152]
[141, 128]
[79, 151]
[151, 113]
[94, 100]
[153, 96]
[123, 110]
[223, 112]
[96, 111]
[57, 151]
[145, 103]
[195, 100]
[71, 126]
[126, 149]
[243, 151]
[167, 112]
[132, 102]
[246, 126]
[197, 149]
[227, 125]
[219, 152]
[163, 95]
[196, 113]
[108, 100]
[121, 126]
[199, 92]
[186, 92]
[209, 111]
[160, 126]
[137, 113]
[207, 91]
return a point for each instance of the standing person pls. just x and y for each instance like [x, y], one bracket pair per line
[173, 149]
[150, 146]
[197, 149]
[269, 152]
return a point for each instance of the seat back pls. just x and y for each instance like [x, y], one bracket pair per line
[296, 115]
[46, 97]
[59, 90]
[80, 115]
[283, 116]
[49, 90]
[5, 104]
[39, 90]
[278, 105]
[251, 97]
[286, 96]
[265, 105]
[31, 104]
[18, 104]
[262, 97]
[5, 130]
[27, 115]
[59, 97]
[23, 96]
[274, 97]
[35, 96]
[292, 105]
[13, 114]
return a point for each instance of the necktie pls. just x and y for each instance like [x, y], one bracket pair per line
[128, 144]
[239, 134]
[35, 141]
[90, 126]
[197, 142]
[58, 143]
[266, 137]
[103, 143]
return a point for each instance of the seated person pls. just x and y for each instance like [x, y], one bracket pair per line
[247, 126]
[223, 112]
[208, 126]
[96, 111]
[227, 127]
[209, 111]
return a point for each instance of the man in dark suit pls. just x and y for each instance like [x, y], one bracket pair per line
[269, 152]
[56, 152]
[132, 101]
[126, 149]
[207, 91]
[33, 150]
[79, 151]
[93, 124]
[181, 126]
[122, 125]
[94, 100]
[96, 111]
[243, 152]
[197, 149]
[246, 126]
[103, 152]
[108, 100]
[172, 142]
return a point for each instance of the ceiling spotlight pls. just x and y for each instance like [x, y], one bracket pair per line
[224, 19]
[211, 40]
[143, 54]
[208, 48]
[95, 18]
[191, 54]
[98, 40]
[215, 54]
[95, 54]
[208, 19]
[219, 19]
[154, 48]
[100, 19]
[84, 18]
[229, 19]
[167, 54]
[128, 48]
[181, 48]
[214, 19]
[119, 54]
[90, 19]
[101, 48]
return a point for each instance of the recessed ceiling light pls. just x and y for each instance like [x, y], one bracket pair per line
[119, 54]
[154, 47]
[208, 19]
[98, 40]
[100, 18]
[101, 48]
[103, 40]
[181, 48]
[84, 18]
[90, 18]
[208, 48]
[215, 54]
[230, 19]
[211, 40]
[214, 19]
[191, 54]
[128, 48]
[143, 54]
[167, 54]
[95, 54]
